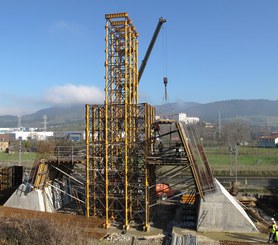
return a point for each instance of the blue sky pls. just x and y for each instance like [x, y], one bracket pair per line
[52, 51]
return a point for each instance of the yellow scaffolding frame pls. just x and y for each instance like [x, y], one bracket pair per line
[116, 133]
[121, 172]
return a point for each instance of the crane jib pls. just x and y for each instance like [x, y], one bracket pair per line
[149, 50]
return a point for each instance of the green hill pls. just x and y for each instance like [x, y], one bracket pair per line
[253, 112]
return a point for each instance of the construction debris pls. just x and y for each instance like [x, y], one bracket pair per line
[247, 200]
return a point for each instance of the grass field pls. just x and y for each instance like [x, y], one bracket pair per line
[249, 161]
[25, 159]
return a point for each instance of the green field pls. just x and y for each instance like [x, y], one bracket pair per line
[25, 159]
[250, 161]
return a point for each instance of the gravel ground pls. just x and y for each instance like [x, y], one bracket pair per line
[203, 238]
[116, 238]
[156, 237]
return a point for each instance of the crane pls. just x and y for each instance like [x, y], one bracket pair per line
[161, 21]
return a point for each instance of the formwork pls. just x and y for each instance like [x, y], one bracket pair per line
[55, 183]
[10, 177]
[181, 175]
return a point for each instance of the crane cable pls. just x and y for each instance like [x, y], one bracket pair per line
[166, 110]
[165, 49]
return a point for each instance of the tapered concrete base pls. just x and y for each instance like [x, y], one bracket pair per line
[26, 198]
[221, 212]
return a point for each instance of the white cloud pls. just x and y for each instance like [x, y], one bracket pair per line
[73, 94]
[69, 94]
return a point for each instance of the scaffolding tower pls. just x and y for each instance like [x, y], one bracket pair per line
[123, 167]
[117, 132]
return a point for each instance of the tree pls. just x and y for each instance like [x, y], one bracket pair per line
[236, 132]
[25, 145]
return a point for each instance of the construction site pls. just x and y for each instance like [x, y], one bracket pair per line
[139, 171]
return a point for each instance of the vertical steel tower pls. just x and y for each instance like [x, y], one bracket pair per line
[117, 132]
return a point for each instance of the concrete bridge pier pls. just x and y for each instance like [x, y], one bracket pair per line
[221, 212]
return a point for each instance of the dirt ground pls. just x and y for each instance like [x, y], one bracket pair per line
[216, 237]
[156, 237]
[133, 236]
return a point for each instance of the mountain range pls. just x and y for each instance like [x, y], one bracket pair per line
[254, 112]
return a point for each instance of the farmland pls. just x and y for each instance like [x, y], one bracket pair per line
[249, 161]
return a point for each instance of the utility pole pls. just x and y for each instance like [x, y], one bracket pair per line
[19, 153]
[219, 125]
[44, 123]
[231, 162]
[236, 154]
[19, 125]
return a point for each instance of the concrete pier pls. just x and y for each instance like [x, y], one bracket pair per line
[26, 198]
[221, 212]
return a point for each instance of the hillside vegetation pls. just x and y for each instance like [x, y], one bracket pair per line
[253, 112]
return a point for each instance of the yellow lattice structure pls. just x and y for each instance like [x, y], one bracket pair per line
[123, 166]
[116, 186]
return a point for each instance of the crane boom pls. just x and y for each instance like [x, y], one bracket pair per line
[149, 50]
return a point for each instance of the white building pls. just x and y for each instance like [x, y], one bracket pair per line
[32, 135]
[181, 117]
[26, 134]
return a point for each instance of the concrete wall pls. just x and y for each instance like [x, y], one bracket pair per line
[221, 212]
